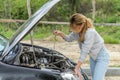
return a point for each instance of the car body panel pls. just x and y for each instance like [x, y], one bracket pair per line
[23, 73]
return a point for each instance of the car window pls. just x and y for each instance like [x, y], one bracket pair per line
[3, 43]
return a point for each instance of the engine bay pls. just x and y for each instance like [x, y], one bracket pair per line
[43, 58]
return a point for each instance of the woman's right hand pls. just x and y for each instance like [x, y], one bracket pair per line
[59, 33]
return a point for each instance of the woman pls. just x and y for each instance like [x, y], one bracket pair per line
[90, 43]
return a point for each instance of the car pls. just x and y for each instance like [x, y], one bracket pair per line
[22, 61]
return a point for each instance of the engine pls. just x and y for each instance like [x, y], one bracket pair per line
[42, 58]
[38, 58]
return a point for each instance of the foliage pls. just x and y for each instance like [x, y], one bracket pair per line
[19, 11]
[106, 10]
[42, 31]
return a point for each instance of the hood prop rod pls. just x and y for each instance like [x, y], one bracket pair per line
[31, 39]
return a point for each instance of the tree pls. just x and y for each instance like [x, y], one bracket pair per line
[29, 8]
[7, 10]
[29, 14]
[93, 10]
[74, 5]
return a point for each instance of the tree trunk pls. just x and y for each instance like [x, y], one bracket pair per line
[28, 8]
[7, 10]
[93, 10]
[29, 14]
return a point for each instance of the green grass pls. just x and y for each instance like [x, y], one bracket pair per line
[7, 32]
[110, 34]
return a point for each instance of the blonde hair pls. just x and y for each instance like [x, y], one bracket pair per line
[78, 19]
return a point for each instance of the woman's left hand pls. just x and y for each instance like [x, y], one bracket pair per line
[77, 71]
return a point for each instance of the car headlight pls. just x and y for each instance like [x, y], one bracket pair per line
[69, 76]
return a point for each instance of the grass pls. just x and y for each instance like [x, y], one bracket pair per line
[110, 34]
[117, 66]
[7, 32]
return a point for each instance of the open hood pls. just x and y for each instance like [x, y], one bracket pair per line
[28, 25]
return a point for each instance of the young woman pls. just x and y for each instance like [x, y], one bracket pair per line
[90, 43]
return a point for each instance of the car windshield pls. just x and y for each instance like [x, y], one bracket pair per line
[3, 43]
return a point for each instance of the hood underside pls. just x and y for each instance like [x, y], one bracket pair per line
[28, 26]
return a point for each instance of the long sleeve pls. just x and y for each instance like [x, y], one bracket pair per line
[71, 37]
[87, 44]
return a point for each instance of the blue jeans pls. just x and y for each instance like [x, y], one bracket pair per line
[100, 65]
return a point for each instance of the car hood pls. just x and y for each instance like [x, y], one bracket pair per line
[28, 26]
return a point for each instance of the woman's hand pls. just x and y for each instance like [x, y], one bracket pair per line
[59, 33]
[77, 71]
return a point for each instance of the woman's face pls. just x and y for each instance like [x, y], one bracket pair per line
[77, 28]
